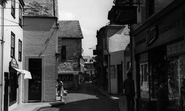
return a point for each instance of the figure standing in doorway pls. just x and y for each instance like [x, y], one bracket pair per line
[129, 87]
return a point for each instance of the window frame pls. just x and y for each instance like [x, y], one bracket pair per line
[12, 50]
[20, 15]
[13, 8]
[20, 51]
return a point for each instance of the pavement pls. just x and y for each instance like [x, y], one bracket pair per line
[120, 100]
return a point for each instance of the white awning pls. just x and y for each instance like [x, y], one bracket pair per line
[27, 74]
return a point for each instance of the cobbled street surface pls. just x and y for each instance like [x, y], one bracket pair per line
[85, 99]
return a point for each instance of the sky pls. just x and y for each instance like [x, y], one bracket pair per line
[92, 15]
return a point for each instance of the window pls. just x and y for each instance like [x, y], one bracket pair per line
[144, 80]
[20, 15]
[20, 51]
[176, 82]
[13, 8]
[12, 53]
[85, 60]
[63, 53]
[150, 7]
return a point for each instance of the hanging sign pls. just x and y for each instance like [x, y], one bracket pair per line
[123, 15]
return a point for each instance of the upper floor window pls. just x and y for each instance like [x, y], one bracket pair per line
[20, 50]
[155, 6]
[20, 15]
[63, 53]
[12, 53]
[13, 8]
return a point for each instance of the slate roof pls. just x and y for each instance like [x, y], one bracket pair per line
[70, 29]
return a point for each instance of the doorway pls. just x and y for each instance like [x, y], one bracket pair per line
[120, 78]
[34, 91]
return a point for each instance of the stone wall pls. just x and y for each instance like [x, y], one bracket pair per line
[41, 7]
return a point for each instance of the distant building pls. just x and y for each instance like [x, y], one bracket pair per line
[70, 49]
[89, 65]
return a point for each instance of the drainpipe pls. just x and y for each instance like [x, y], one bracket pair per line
[2, 54]
[54, 8]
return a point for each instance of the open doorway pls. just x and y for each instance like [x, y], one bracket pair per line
[120, 78]
[34, 91]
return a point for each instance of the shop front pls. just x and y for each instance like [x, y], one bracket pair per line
[68, 72]
[13, 84]
[160, 55]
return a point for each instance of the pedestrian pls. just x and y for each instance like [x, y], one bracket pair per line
[162, 96]
[60, 89]
[129, 87]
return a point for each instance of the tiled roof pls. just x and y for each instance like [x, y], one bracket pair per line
[70, 29]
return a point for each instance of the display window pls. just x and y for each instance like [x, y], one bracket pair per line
[144, 80]
[176, 82]
[157, 74]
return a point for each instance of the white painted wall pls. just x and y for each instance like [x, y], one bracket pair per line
[12, 25]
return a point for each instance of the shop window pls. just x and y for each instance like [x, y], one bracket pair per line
[20, 51]
[176, 82]
[144, 80]
[13, 8]
[12, 53]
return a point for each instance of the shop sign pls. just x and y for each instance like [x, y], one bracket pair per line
[176, 48]
[170, 26]
[123, 15]
[66, 77]
[152, 35]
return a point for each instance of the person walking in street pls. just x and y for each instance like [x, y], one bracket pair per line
[60, 89]
[129, 87]
[162, 96]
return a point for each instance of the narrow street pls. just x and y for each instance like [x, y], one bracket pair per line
[85, 99]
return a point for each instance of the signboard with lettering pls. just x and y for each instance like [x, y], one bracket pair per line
[176, 48]
[66, 77]
[152, 35]
[123, 15]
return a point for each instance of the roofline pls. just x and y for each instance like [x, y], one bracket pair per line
[71, 37]
[28, 16]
